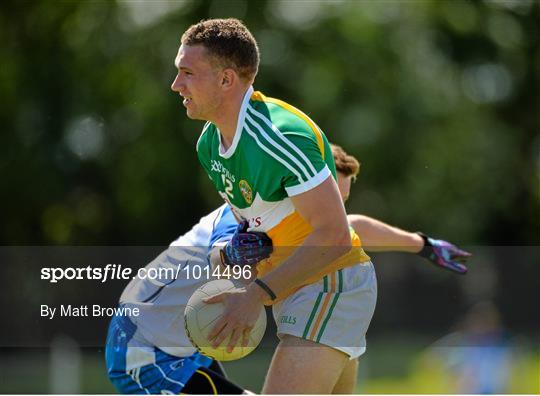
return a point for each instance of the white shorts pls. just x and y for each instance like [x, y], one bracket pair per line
[335, 311]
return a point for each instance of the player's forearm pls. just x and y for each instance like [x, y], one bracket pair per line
[214, 257]
[377, 236]
[318, 251]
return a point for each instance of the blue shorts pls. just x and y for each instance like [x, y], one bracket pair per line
[162, 372]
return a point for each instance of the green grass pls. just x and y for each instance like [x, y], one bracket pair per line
[27, 371]
[389, 366]
[250, 371]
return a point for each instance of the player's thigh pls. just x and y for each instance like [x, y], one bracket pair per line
[336, 311]
[347, 381]
[303, 366]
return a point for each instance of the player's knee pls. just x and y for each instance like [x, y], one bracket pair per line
[206, 381]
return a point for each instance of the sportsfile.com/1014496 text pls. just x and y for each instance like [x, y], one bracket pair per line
[120, 272]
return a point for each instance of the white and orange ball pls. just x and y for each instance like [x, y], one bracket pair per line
[200, 318]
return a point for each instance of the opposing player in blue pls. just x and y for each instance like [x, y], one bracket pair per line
[151, 353]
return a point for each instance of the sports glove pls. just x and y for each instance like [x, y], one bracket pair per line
[444, 254]
[246, 247]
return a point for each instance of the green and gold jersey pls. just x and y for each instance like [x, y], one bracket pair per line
[277, 152]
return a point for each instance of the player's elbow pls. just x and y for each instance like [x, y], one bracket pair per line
[356, 221]
[341, 240]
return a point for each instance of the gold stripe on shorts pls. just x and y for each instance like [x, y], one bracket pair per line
[327, 299]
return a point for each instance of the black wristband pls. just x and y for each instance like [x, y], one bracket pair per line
[265, 287]
[428, 247]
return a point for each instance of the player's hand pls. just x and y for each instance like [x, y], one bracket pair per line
[242, 309]
[444, 254]
[246, 247]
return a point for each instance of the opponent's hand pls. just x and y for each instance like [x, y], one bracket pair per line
[246, 247]
[444, 254]
[242, 309]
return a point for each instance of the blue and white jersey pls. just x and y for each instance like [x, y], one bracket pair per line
[162, 301]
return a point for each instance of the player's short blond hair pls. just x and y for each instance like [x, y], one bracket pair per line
[228, 42]
[345, 163]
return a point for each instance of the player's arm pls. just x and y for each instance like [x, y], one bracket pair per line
[323, 209]
[377, 236]
[216, 261]
[215, 258]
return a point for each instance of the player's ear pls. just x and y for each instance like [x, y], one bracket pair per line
[228, 79]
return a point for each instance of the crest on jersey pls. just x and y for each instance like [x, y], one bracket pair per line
[245, 189]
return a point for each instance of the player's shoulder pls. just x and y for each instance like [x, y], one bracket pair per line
[207, 134]
[283, 116]
[284, 132]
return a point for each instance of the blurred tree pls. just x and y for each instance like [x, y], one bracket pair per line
[439, 100]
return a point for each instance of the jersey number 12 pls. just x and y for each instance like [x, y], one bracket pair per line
[227, 184]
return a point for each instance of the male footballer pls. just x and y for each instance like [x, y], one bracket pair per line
[274, 167]
[151, 353]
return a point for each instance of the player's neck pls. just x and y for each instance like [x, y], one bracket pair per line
[227, 117]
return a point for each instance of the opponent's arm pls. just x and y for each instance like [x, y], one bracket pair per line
[216, 261]
[246, 247]
[215, 258]
[377, 236]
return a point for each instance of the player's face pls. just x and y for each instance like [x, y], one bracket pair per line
[198, 82]
[344, 185]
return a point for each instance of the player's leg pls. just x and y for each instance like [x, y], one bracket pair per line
[191, 375]
[321, 327]
[208, 382]
[346, 384]
[217, 367]
[137, 368]
[124, 378]
[304, 366]
[174, 375]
